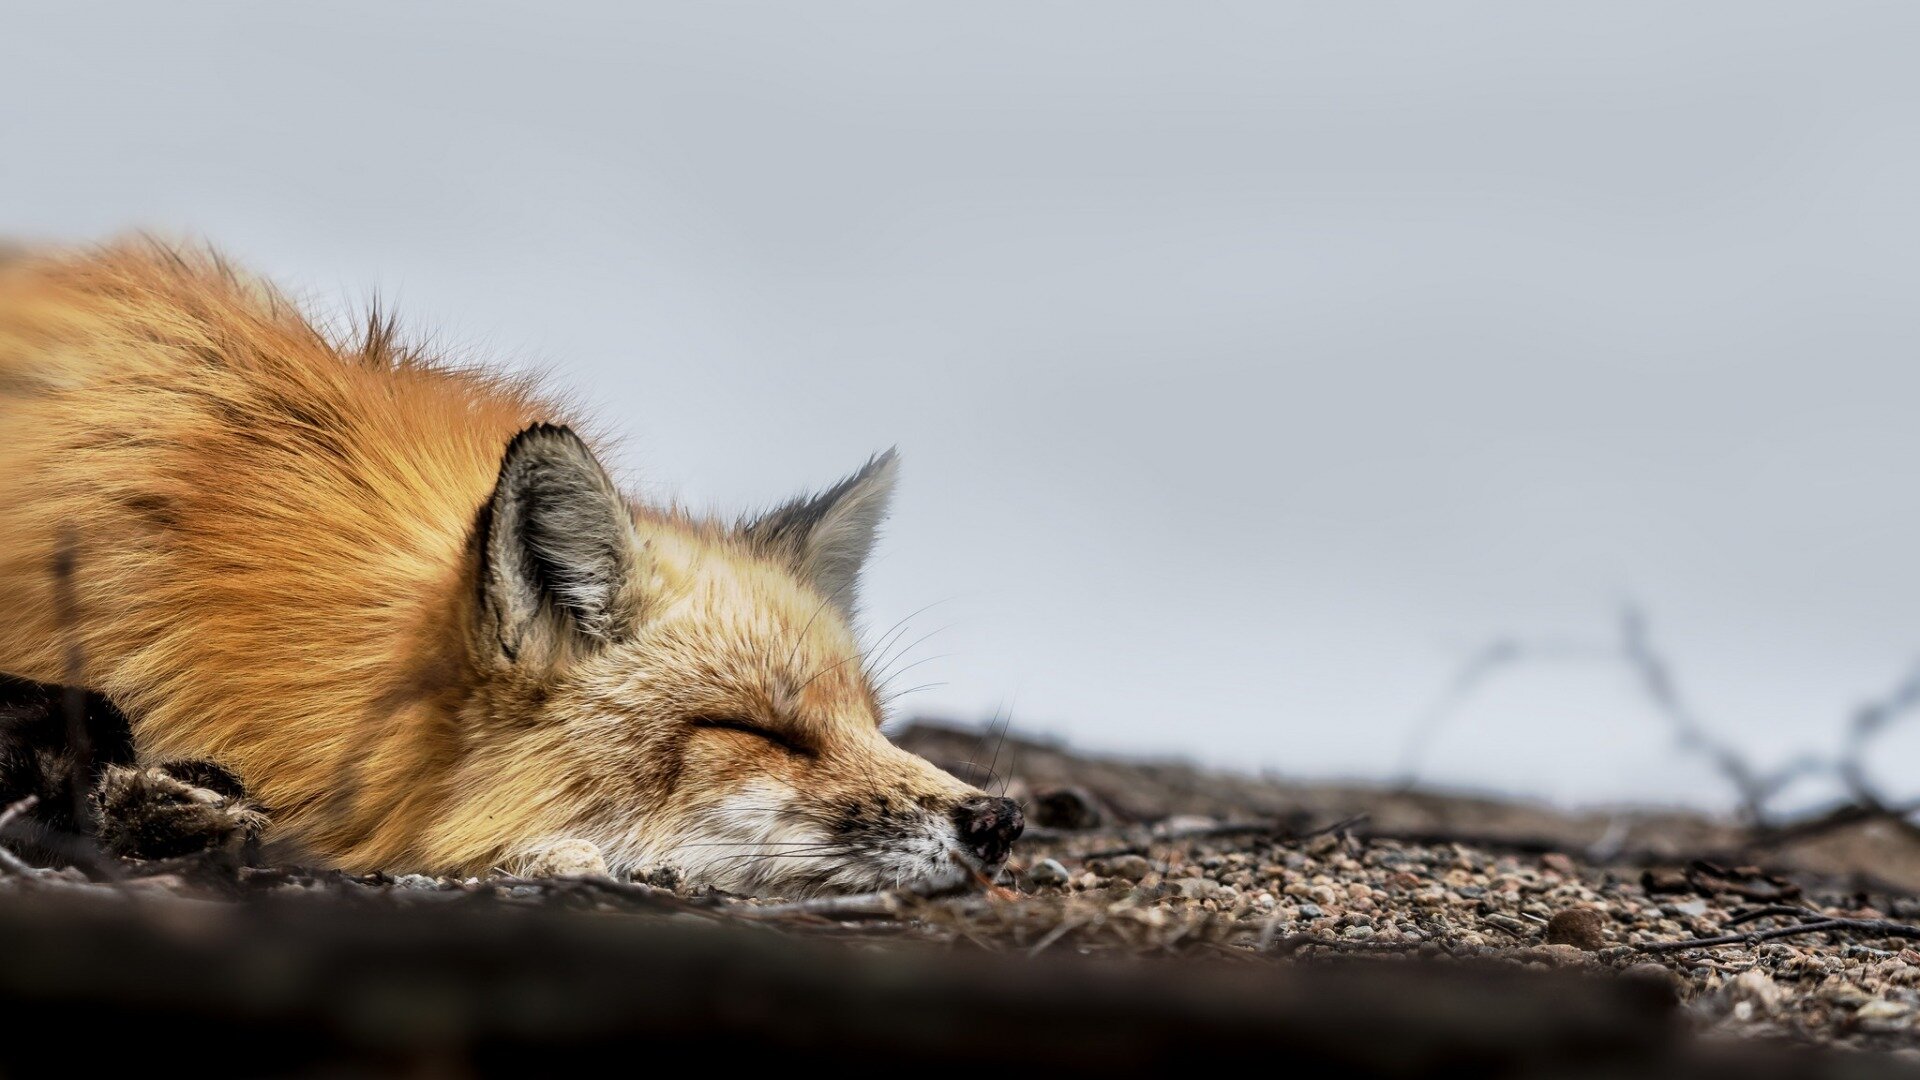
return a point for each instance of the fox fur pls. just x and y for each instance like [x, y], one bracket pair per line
[405, 606]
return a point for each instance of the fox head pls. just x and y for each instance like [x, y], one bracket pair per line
[690, 693]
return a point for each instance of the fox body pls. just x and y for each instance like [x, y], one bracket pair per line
[406, 607]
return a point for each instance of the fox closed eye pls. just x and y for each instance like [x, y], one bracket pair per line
[748, 727]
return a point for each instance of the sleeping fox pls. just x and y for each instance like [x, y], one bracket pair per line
[404, 605]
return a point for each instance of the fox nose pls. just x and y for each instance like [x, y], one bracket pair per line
[989, 826]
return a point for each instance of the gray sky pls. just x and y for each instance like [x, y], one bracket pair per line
[1251, 364]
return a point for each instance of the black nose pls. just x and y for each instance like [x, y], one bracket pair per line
[989, 826]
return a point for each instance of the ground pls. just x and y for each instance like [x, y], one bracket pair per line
[1203, 910]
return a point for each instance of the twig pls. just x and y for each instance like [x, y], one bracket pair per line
[1067, 926]
[73, 694]
[857, 906]
[10, 862]
[1867, 927]
[1275, 831]
[1293, 943]
[1755, 787]
[1770, 911]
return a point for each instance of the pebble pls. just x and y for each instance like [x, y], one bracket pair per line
[1882, 1009]
[1129, 867]
[1583, 928]
[1194, 888]
[1047, 874]
[1755, 989]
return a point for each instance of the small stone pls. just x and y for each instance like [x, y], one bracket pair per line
[1558, 863]
[1757, 989]
[1311, 911]
[1066, 808]
[1650, 972]
[1047, 874]
[1848, 994]
[1323, 895]
[1129, 867]
[1665, 881]
[1582, 928]
[1563, 955]
[1882, 1009]
[1194, 888]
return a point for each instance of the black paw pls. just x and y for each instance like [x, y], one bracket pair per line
[180, 808]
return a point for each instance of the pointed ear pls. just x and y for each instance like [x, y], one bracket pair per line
[560, 564]
[826, 539]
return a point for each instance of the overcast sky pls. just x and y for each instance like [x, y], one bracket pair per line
[1252, 365]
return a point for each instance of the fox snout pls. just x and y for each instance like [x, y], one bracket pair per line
[988, 826]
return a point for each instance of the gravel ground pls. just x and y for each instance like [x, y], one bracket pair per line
[1264, 874]
[1338, 894]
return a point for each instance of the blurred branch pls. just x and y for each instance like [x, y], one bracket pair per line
[1754, 787]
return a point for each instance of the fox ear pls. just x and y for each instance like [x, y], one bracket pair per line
[826, 538]
[559, 553]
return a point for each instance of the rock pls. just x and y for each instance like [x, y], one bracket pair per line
[1047, 874]
[1665, 881]
[1194, 888]
[1583, 928]
[1129, 867]
[1311, 911]
[1558, 863]
[1564, 955]
[1756, 989]
[1883, 1015]
[1183, 823]
[1650, 972]
[1066, 808]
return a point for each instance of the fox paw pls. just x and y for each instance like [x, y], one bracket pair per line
[178, 808]
[564, 858]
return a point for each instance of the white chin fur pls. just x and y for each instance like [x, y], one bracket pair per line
[758, 843]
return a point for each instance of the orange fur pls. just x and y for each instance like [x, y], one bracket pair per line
[274, 541]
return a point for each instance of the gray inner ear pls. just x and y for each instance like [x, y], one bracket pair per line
[559, 546]
[827, 538]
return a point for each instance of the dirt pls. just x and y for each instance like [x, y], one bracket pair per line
[1167, 864]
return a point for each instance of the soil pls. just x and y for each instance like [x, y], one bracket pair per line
[1298, 893]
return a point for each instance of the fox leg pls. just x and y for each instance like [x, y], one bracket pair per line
[41, 759]
[175, 808]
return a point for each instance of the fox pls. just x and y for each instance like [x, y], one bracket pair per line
[402, 603]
